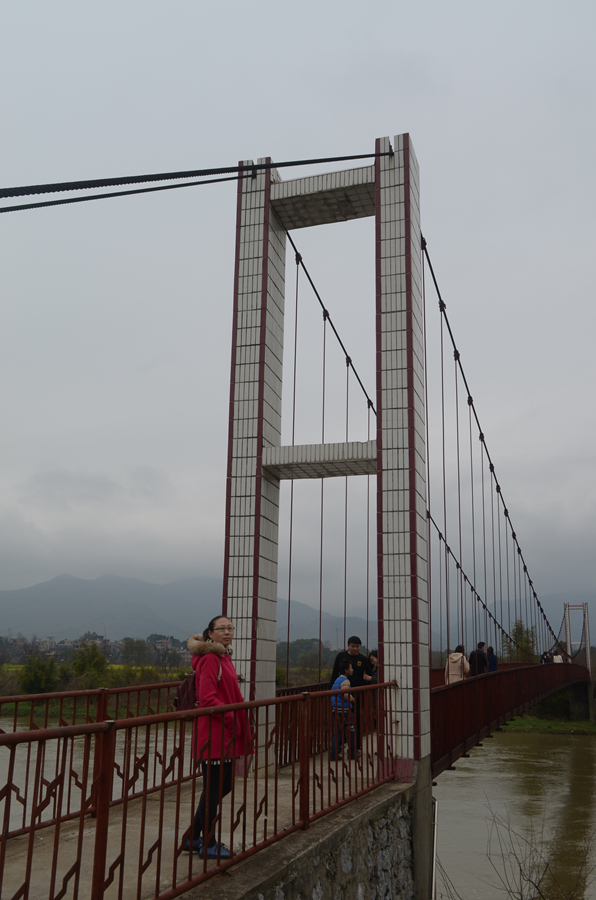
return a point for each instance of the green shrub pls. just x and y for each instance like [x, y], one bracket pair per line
[39, 675]
[554, 707]
[89, 666]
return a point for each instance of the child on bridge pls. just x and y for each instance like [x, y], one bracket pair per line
[342, 708]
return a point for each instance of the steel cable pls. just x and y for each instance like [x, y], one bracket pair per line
[442, 308]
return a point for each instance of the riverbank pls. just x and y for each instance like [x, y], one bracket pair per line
[536, 725]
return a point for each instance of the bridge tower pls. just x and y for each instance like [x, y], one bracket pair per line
[268, 208]
[585, 632]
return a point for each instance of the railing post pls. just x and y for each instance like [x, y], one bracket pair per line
[102, 705]
[105, 751]
[304, 759]
[100, 716]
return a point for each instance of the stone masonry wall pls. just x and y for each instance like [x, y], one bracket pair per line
[372, 862]
[363, 851]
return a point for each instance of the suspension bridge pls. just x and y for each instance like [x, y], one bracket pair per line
[436, 563]
[456, 564]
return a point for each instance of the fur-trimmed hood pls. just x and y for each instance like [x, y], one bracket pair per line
[198, 646]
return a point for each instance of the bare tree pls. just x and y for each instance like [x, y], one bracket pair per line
[527, 866]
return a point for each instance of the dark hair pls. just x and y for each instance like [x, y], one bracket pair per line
[211, 625]
[354, 640]
[480, 645]
[374, 653]
[344, 666]
[490, 651]
[459, 649]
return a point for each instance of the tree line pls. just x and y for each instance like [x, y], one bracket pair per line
[31, 667]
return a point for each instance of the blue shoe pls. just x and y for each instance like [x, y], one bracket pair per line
[197, 845]
[215, 850]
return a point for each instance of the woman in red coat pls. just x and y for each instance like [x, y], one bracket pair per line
[218, 740]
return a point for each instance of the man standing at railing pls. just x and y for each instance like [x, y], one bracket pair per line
[361, 674]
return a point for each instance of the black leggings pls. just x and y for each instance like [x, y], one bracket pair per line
[215, 773]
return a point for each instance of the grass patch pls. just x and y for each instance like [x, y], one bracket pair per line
[550, 726]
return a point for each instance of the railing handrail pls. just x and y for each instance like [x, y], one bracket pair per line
[354, 690]
[130, 689]
[10, 738]
[40, 734]
[509, 673]
[87, 692]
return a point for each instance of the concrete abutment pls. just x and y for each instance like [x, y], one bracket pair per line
[378, 846]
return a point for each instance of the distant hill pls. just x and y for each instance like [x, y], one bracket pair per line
[67, 607]
[304, 623]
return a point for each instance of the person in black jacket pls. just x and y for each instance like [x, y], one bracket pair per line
[478, 660]
[361, 674]
[360, 664]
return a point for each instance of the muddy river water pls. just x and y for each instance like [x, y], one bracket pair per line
[518, 786]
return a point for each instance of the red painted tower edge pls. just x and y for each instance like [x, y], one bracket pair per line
[379, 398]
[412, 500]
[260, 403]
[226, 572]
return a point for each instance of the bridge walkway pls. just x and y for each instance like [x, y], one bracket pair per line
[464, 713]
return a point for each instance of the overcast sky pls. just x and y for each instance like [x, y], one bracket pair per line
[116, 314]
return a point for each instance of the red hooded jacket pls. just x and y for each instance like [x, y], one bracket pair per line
[224, 736]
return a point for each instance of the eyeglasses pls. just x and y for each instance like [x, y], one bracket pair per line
[225, 628]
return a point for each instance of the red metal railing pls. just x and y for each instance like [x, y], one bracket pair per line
[27, 711]
[465, 712]
[140, 781]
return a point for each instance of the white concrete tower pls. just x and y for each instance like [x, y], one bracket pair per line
[267, 208]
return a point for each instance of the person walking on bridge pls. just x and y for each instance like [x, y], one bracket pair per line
[457, 666]
[478, 660]
[492, 659]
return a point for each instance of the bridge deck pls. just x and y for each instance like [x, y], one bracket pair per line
[466, 712]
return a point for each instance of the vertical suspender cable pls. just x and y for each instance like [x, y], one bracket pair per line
[492, 533]
[428, 504]
[446, 555]
[348, 361]
[486, 626]
[477, 612]
[500, 560]
[492, 538]
[298, 260]
[508, 583]
[325, 317]
[368, 539]
[460, 596]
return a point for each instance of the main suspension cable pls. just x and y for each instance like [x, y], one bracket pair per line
[169, 176]
[443, 310]
[65, 200]
[327, 318]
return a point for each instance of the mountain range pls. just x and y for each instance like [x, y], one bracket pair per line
[67, 607]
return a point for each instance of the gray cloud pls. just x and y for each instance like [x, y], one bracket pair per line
[64, 489]
[117, 314]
